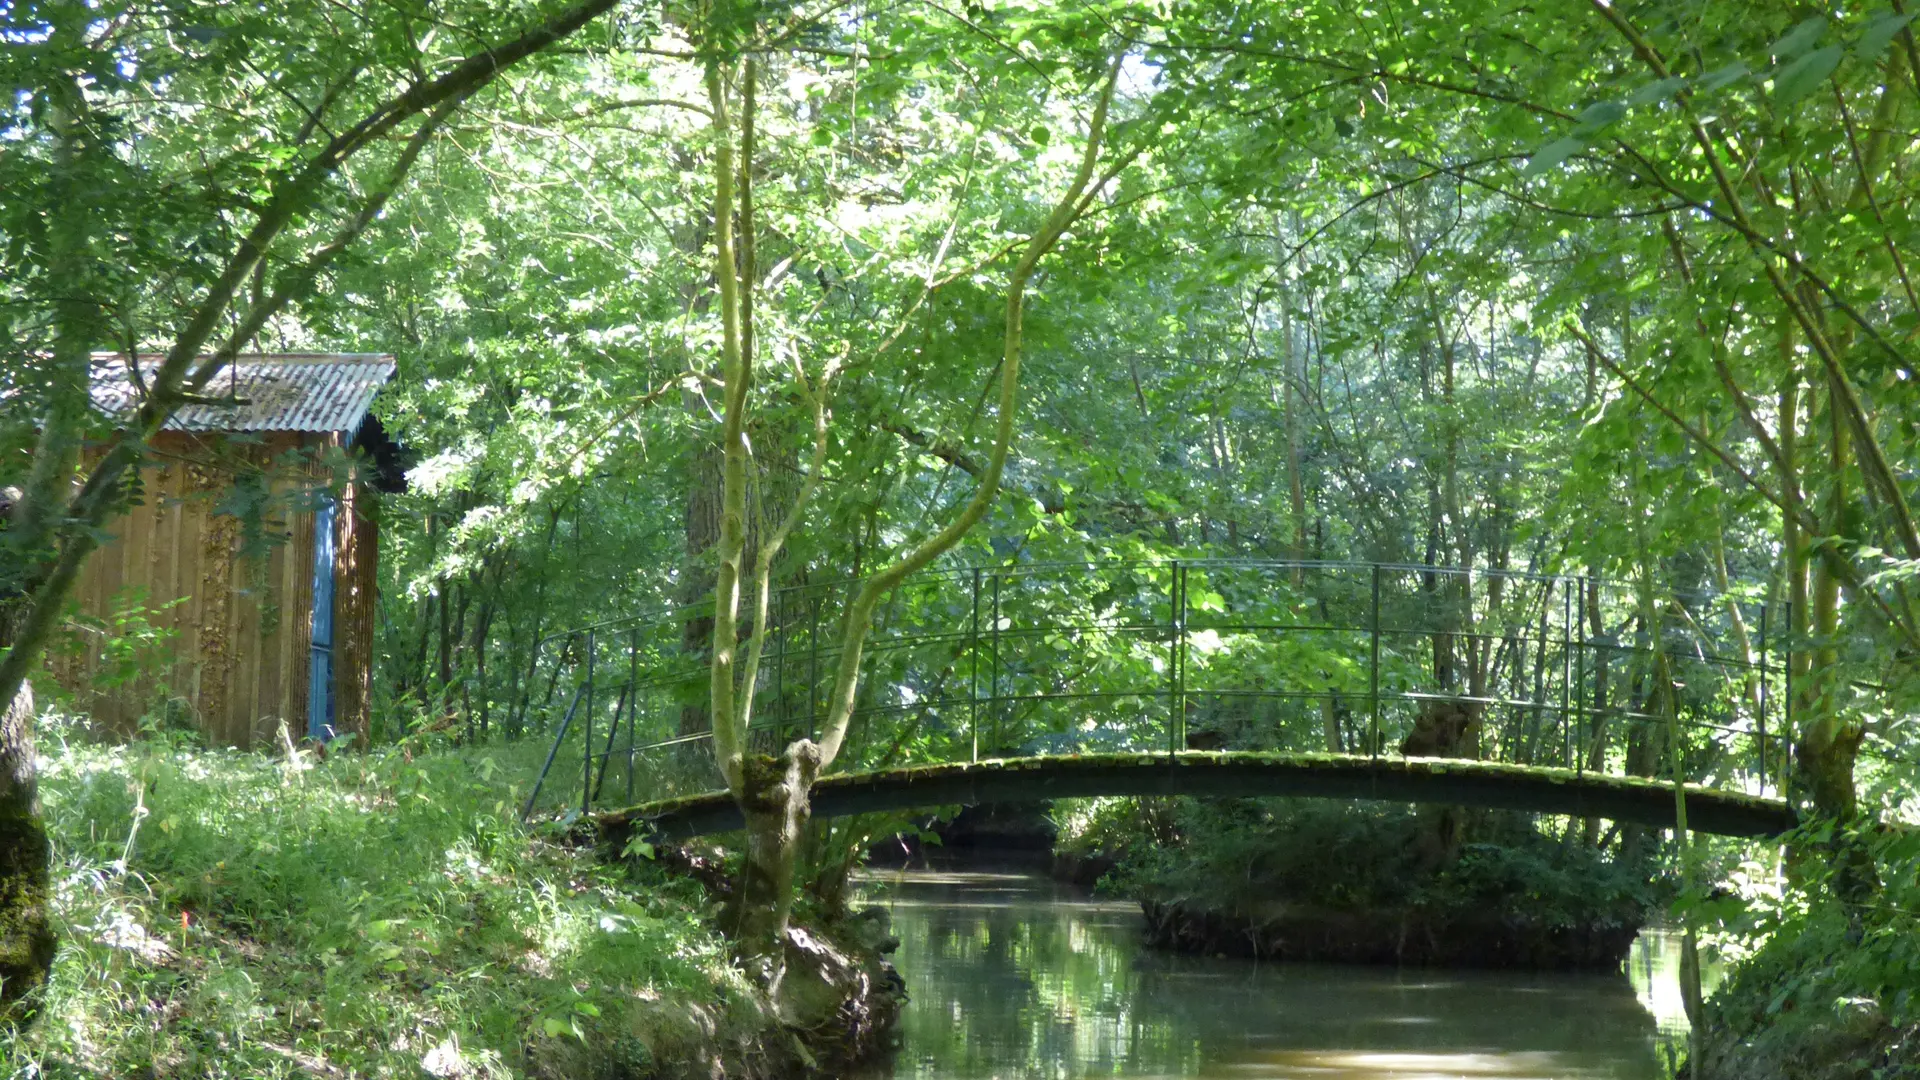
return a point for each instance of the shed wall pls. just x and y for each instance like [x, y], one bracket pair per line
[235, 653]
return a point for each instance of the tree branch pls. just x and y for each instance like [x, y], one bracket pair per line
[860, 610]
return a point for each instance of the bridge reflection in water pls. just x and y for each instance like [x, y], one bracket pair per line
[1011, 978]
[1234, 655]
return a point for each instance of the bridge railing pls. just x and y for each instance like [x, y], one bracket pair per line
[972, 663]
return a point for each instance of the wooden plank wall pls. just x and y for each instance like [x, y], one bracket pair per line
[236, 655]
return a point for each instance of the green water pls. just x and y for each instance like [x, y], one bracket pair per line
[1013, 977]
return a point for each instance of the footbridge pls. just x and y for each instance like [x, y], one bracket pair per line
[1447, 781]
[1026, 681]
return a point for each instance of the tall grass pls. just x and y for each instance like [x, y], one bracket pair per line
[237, 915]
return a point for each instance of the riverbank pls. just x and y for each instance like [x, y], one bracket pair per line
[1822, 987]
[239, 915]
[1452, 937]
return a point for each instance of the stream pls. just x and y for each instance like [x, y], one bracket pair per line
[1014, 977]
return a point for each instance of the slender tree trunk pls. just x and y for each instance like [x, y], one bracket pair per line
[445, 640]
[702, 531]
[1829, 735]
[1290, 416]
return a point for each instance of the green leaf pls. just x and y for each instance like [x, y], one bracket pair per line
[821, 137]
[1801, 37]
[1552, 154]
[1599, 116]
[555, 1027]
[1040, 135]
[1879, 33]
[1657, 91]
[1714, 80]
[1803, 76]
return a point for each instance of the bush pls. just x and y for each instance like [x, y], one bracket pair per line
[1357, 856]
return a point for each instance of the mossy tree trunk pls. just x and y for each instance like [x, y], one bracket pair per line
[26, 930]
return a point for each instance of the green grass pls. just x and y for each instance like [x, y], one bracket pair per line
[236, 915]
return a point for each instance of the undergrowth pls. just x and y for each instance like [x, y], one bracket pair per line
[376, 914]
[1819, 987]
[1236, 854]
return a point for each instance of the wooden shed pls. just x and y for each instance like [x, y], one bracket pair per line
[238, 591]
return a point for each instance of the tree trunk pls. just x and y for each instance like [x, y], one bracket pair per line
[773, 799]
[1290, 416]
[46, 499]
[1829, 735]
[696, 581]
[26, 932]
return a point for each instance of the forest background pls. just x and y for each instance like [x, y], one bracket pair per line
[686, 295]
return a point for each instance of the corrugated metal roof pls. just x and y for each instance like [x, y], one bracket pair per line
[271, 391]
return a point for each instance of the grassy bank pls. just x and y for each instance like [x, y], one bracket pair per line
[379, 914]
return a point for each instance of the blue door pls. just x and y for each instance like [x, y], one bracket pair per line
[320, 665]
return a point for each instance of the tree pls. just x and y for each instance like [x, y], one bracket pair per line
[242, 152]
[773, 793]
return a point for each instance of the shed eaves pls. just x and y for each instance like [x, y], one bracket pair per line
[269, 392]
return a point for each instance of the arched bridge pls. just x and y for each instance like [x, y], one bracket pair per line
[1451, 781]
[1212, 676]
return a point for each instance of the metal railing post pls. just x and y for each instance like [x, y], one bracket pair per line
[1179, 685]
[613, 732]
[1786, 697]
[1373, 689]
[1567, 697]
[813, 664]
[973, 669]
[1173, 657]
[633, 707]
[1580, 679]
[993, 688]
[1760, 721]
[553, 751]
[780, 666]
[586, 748]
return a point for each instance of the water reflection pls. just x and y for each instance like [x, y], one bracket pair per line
[1012, 977]
[1654, 971]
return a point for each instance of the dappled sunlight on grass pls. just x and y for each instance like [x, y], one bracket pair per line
[235, 915]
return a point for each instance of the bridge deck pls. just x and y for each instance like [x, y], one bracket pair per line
[1449, 781]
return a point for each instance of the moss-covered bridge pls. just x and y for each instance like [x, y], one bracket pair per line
[1447, 781]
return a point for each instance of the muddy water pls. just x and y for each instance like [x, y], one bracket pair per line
[1014, 977]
